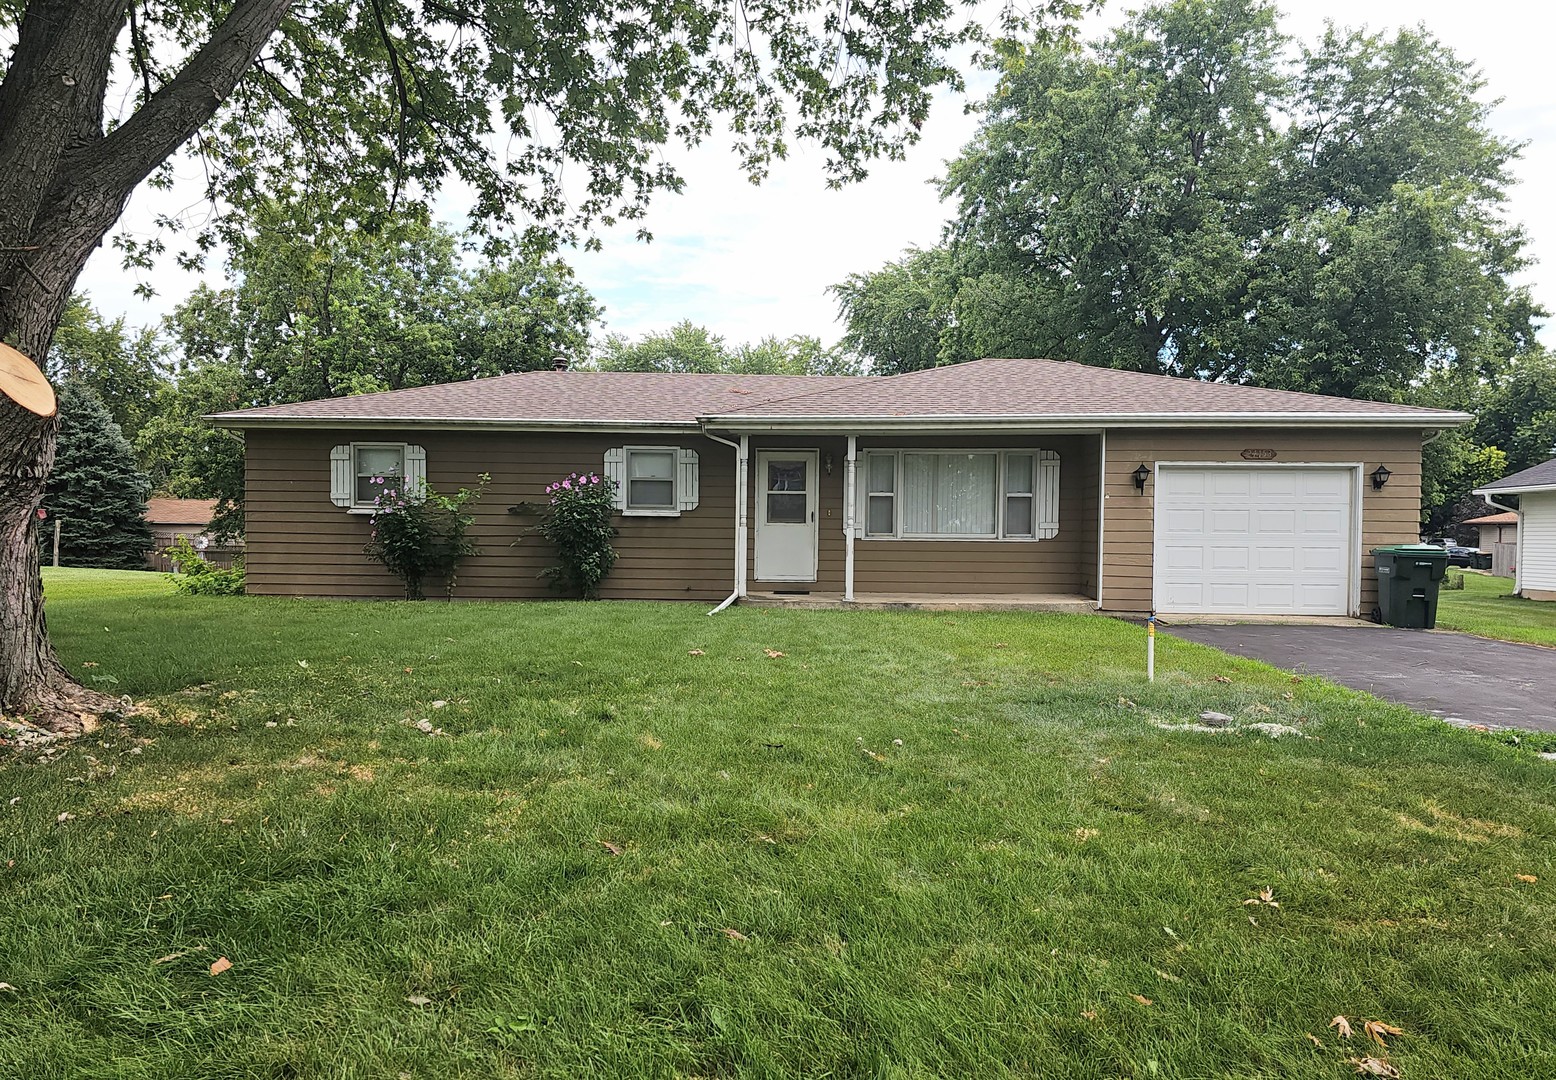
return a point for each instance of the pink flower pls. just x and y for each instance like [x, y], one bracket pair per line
[568, 483]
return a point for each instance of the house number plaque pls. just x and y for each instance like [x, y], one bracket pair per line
[1258, 455]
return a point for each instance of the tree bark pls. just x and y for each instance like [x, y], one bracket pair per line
[63, 184]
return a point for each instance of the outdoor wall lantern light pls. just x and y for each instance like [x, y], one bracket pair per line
[826, 463]
[1141, 475]
[1380, 476]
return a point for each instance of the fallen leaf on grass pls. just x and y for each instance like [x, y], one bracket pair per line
[772, 654]
[1266, 897]
[66, 816]
[1343, 1025]
[695, 652]
[176, 955]
[1223, 678]
[1166, 975]
[219, 965]
[1527, 879]
[1142, 999]
[1371, 1066]
[1314, 1039]
[1088, 1014]
[5, 986]
[614, 849]
[1377, 1029]
[1001, 645]
[1084, 834]
[418, 999]
[733, 934]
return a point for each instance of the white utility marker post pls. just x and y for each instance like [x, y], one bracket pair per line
[1150, 648]
[56, 541]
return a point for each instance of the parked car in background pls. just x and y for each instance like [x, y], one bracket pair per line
[1458, 555]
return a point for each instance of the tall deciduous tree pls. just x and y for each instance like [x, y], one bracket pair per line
[97, 491]
[689, 348]
[1185, 196]
[371, 105]
[123, 367]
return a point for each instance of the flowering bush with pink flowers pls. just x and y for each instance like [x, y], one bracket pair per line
[577, 521]
[422, 534]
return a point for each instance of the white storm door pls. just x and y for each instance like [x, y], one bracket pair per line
[1274, 540]
[786, 515]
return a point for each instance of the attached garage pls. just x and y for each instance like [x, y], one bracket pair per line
[1270, 539]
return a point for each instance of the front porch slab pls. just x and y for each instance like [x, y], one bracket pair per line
[1073, 603]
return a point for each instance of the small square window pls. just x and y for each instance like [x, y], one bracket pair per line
[651, 480]
[378, 469]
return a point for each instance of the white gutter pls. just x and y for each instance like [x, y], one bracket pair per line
[850, 501]
[740, 449]
[1091, 422]
[448, 423]
[1102, 513]
[1486, 493]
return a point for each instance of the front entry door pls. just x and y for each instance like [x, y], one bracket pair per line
[786, 515]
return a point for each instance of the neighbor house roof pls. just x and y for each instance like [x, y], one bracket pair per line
[1509, 517]
[1541, 477]
[987, 393]
[180, 511]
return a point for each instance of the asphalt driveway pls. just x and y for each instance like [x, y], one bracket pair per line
[1461, 678]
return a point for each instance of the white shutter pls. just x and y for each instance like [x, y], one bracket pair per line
[341, 479]
[688, 485]
[616, 472]
[1047, 495]
[415, 471]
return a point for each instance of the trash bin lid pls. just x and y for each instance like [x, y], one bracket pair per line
[1411, 550]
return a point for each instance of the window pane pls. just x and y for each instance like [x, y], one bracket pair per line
[650, 494]
[965, 496]
[650, 465]
[1018, 515]
[882, 472]
[786, 508]
[786, 475]
[1018, 473]
[918, 493]
[380, 460]
[878, 515]
[367, 491]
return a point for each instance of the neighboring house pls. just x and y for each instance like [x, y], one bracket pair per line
[1535, 561]
[1498, 534]
[1023, 481]
[190, 518]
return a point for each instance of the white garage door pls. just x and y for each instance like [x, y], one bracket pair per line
[1245, 541]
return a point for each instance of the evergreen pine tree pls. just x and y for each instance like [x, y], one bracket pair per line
[96, 490]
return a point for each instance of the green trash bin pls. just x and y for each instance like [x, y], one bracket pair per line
[1408, 577]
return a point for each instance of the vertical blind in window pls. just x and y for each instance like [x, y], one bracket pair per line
[970, 494]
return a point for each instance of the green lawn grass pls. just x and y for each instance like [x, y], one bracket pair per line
[1486, 606]
[642, 846]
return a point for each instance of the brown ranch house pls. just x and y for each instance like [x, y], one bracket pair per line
[1027, 483]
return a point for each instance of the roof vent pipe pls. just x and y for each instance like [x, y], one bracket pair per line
[559, 364]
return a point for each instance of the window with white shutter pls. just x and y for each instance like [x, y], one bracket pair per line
[361, 472]
[653, 481]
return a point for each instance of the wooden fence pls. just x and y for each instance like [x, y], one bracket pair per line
[220, 557]
[1504, 559]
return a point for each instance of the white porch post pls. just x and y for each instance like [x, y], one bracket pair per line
[1102, 512]
[849, 524]
[742, 499]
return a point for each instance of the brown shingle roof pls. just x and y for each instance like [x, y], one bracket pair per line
[180, 511]
[1508, 518]
[560, 397]
[1005, 390]
[1057, 389]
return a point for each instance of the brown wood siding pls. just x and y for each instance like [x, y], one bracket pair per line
[301, 544]
[1390, 516]
[951, 566]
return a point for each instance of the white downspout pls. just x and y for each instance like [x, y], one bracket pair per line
[1102, 513]
[742, 456]
[1518, 545]
[850, 501]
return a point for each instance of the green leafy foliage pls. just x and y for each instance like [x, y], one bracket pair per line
[687, 347]
[196, 577]
[96, 492]
[577, 521]
[1178, 197]
[422, 534]
[123, 368]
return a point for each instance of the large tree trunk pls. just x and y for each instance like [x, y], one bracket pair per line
[64, 182]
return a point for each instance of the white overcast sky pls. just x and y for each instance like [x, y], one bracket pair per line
[751, 261]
